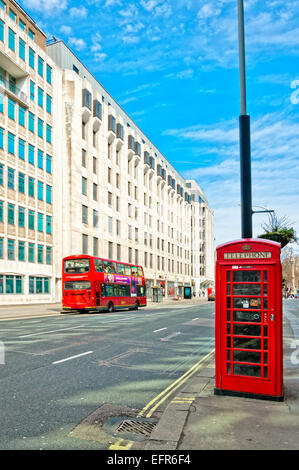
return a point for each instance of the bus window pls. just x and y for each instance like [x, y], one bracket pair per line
[76, 265]
[127, 270]
[140, 272]
[107, 290]
[134, 271]
[123, 290]
[114, 268]
[77, 285]
[121, 268]
[108, 267]
[98, 265]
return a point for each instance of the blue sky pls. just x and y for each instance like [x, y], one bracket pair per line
[173, 67]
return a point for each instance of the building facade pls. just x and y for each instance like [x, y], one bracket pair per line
[27, 81]
[78, 176]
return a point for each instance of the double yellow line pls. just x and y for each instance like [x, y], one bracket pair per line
[149, 409]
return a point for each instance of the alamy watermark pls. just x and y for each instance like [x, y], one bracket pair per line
[2, 353]
[295, 94]
[295, 354]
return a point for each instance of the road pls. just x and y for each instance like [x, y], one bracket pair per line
[60, 369]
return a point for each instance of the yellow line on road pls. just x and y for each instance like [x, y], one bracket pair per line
[159, 399]
[118, 445]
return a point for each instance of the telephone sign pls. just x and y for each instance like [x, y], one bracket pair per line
[249, 319]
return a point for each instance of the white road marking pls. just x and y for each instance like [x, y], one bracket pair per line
[167, 338]
[52, 331]
[197, 318]
[72, 357]
[160, 330]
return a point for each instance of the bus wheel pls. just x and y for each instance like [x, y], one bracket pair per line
[136, 306]
[110, 307]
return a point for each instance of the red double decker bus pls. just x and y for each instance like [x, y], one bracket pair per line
[95, 284]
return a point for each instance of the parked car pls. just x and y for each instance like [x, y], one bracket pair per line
[211, 297]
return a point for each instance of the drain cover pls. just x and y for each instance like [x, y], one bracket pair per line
[136, 426]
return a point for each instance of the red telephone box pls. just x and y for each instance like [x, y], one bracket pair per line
[249, 319]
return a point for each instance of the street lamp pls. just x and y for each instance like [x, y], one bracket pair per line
[244, 129]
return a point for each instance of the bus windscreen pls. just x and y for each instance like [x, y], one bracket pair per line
[76, 266]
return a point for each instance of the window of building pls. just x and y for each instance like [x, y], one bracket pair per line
[11, 109]
[40, 159]
[11, 39]
[10, 249]
[49, 194]
[40, 190]
[118, 253]
[95, 191]
[1, 254]
[31, 253]
[1, 138]
[21, 183]
[31, 58]
[11, 143]
[10, 178]
[48, 164]
[49, 134]
[22, 112]
[40, 128]
[31, 217]
[11, 284]
[21, 149]
[40, 66]
[40, 254]
[49, 104]
[84, 243]
[31, 151]
[31, 34]
[22, 25]
[1, 212]
[31, 122]
[40, 97]
[49, 74]
[21, 217]
[84, 186]
[39, 285]
[40, 222]
[30, 186]
[1, 31]
[1, 103]
[95, 218]
[11, 214]
[110, 250]
[84, 214]
[110, 222]
[86, 95]
[109, 199]
[95, 246]
[21, 251]
[49, 225]
[94, 165]
[22, 49]
[48, 255]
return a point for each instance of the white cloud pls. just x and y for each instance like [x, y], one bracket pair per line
[66, 29]
[208, 10]
[78, 43]
[46, 5]
[80, 12]
[275, 154]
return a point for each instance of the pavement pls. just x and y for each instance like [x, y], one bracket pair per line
[196, 419]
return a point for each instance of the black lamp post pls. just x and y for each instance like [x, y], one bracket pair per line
[244, 128]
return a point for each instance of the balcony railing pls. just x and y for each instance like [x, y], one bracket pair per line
[11, 87]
